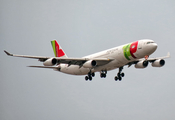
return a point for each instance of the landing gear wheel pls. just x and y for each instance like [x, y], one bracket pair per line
[122, 74]
[86, 78]
[90, 78]
[103, 75]
[116, 78]
[93, 74]
[120, 78]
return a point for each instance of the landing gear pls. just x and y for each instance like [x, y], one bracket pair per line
[103, 74]
[119, 75]
[89, 76]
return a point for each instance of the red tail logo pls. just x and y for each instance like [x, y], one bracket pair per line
[57, 49]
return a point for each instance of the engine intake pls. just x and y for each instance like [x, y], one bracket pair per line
[90, 64]
[141, 64]
[50, 62]
[158, 63]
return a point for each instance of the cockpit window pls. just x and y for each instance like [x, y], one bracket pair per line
[149, 42]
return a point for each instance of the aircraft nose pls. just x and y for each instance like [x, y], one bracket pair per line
[153, 47]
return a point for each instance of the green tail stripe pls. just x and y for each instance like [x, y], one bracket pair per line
[53, 46]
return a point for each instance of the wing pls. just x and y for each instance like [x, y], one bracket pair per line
[153, 59]
[149, 59]
[69, 61]
[40, 58]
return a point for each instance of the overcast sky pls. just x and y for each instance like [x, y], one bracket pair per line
[83, 28]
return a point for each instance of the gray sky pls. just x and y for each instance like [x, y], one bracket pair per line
[83, 28]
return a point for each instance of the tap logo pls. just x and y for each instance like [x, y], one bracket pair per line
[130, 49]
[57, 49]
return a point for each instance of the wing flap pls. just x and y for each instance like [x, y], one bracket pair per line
[81, 61]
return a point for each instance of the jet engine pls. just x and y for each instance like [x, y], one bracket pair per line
[141, 64]
[158, 63]
[90, 64]
[50, 62]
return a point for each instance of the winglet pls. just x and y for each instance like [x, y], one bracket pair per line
[8, 53]
[168, 55]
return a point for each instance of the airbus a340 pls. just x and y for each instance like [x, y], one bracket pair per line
[136, 53]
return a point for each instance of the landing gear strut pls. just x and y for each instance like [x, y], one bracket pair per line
[89, 76]
[119, 74]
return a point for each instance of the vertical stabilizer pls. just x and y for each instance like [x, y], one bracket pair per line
[58, 51]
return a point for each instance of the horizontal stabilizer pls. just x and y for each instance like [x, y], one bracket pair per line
[51, 67]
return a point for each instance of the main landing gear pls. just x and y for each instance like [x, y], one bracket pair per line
[103, 74]
[89, 76]
[119, 74]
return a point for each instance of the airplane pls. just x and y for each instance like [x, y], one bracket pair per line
[135, 53]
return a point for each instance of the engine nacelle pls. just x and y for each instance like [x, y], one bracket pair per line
[90, 64]
[50, 62]
[158, 63]
[141, 64]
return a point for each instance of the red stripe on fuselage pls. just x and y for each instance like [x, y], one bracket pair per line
[133, 48]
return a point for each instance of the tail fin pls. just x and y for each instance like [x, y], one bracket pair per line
[57, 49]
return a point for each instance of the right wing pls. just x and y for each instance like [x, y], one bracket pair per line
[40, 58]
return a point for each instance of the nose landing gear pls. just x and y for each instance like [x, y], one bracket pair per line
[119, 74]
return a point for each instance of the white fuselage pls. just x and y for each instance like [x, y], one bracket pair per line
[122, 55]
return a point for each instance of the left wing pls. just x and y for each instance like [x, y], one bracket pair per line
[151, 60]
[69, 61]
